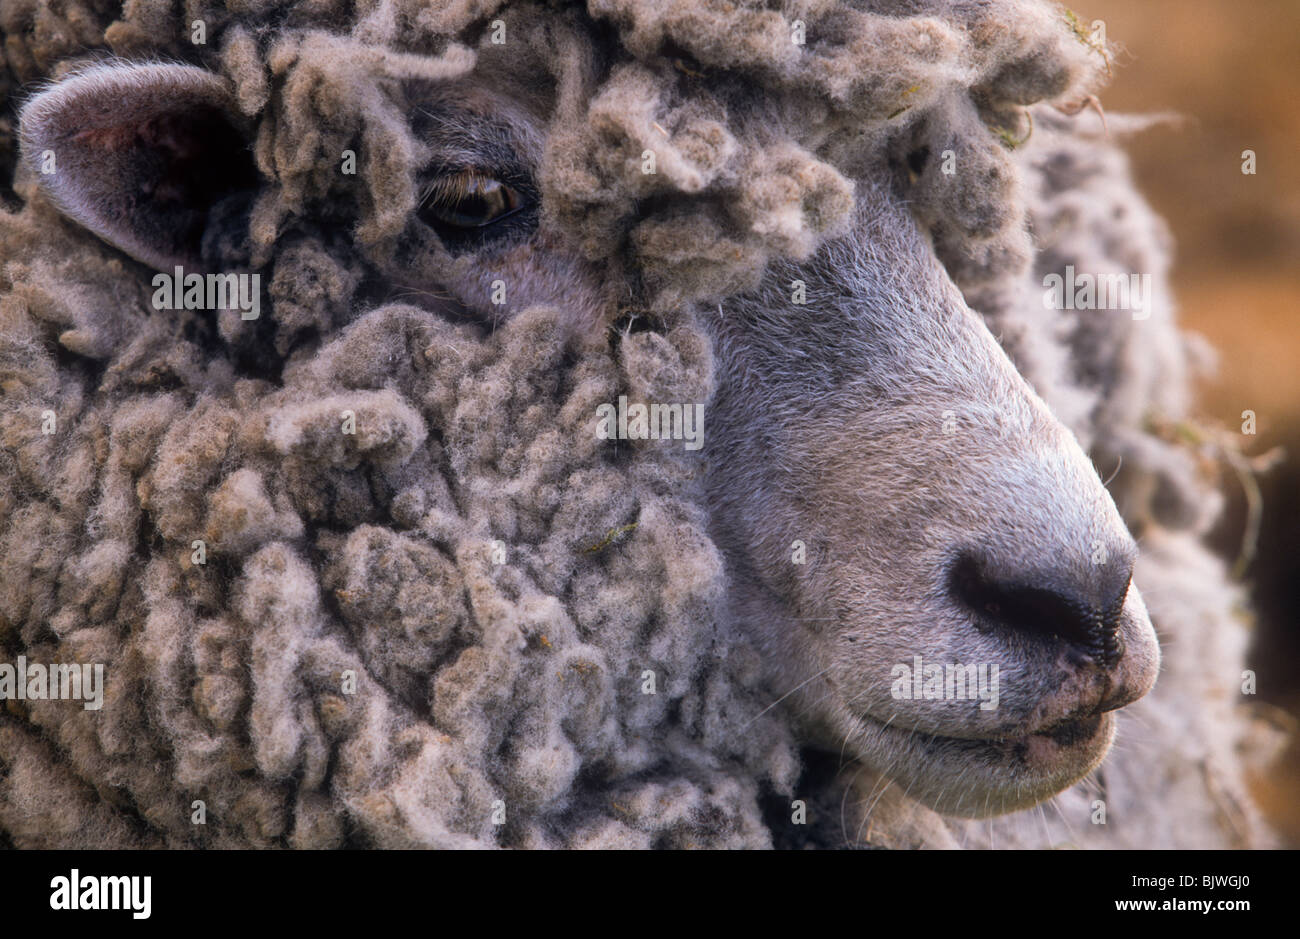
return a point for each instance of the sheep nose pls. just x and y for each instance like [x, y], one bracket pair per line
[1079, 606]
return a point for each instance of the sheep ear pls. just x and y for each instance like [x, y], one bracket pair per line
[138, 154]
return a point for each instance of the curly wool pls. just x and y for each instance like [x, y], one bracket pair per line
[498, 582]
[432, 569]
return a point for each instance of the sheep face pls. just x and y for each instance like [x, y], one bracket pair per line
[889, 492]
[938, 576]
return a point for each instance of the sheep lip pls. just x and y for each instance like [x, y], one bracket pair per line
[1072, 732]
[1064, 734]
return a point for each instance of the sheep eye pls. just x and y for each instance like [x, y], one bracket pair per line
[468, 199]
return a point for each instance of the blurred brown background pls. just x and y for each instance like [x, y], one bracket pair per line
[1232, 71]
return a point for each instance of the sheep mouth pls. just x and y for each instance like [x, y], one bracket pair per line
[978, 777]
[1069, 733]
[1057, 747]
[1065, 734]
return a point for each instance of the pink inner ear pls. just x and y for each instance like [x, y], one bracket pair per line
[176, 143]
[173, 134]
[121, 137]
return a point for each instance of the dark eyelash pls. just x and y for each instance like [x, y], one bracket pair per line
[452, 185]
[454, 180]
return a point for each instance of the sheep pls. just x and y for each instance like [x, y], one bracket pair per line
[361, 570]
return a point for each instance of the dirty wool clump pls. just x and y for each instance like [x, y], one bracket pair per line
[360, 576]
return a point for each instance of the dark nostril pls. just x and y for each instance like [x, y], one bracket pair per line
[1084, 614]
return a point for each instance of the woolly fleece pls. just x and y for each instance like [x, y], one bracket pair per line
[467, 553]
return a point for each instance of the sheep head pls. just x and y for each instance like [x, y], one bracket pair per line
[888, 491]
